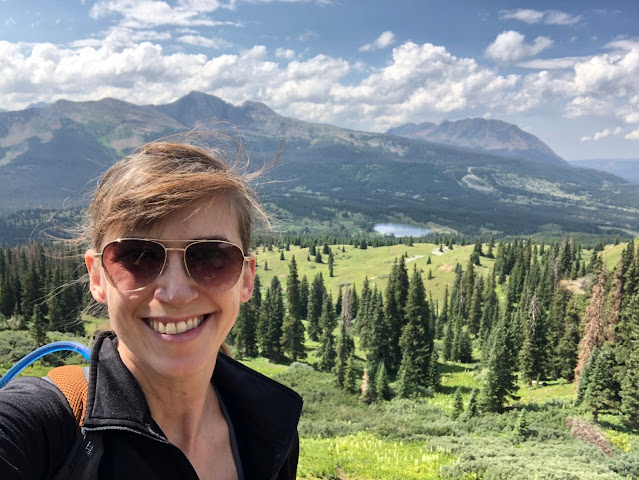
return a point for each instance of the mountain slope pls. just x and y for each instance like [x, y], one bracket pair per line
[52, 155]
[627, 168]
[492, 136]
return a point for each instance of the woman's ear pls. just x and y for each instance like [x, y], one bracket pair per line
[95, 277]
[248, 277]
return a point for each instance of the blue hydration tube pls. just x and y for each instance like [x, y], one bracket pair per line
[41, 352]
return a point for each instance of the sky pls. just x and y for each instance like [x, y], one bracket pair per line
[565, 71]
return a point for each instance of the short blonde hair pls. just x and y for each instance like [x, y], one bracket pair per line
[163, 177]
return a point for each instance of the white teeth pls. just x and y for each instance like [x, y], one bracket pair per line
[172, 328]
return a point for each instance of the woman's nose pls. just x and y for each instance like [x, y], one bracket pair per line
[175, 285]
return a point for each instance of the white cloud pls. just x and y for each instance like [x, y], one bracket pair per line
[607, 132]
[510, 46]
[9, 21]
[307, 35]
[552, 63]
[154, 13]
[417, 83]
[201, 41]
[385, 40]
[634, 135]
[550, 17]
[285, 53]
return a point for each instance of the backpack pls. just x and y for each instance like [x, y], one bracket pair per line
[84, 457]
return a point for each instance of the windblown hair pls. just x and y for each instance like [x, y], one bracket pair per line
[163, 177]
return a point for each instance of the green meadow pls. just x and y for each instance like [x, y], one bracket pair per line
[541, 435]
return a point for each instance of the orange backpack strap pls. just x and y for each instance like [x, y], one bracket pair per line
[71, 381]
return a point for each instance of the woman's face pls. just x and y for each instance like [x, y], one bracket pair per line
[174, 298]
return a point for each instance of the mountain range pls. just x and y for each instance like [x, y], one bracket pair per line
[492, 136]
[496, 178]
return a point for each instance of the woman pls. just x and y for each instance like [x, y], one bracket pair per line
[168, 229]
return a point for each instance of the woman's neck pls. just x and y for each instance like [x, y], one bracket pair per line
[183, 406]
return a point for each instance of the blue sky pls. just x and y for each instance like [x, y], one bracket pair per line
[566, 71]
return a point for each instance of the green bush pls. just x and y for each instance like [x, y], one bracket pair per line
[14, 345]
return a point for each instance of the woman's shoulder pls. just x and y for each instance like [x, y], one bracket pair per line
[37, 428]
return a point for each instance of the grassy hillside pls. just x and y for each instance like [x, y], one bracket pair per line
[354, 264]
[542, 435]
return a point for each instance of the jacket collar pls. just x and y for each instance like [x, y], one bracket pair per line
[263, 412]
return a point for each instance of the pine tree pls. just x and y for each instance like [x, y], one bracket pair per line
[328, 323]
[416, 341]
[382, 387]
[627, 355]
[315, 301]
[378, 349]
[344, 351]
[247, 322]
[473, 404]
[522, 428]
[293, 298]
[500, 382]
[38, 327]
[394, 302]
[271, 321]
[351, 375]
[532, 357]
[458, 404]
[292, 339]
[304, 290]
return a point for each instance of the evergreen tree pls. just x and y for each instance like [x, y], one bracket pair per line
[473, 404]
[271, 321]
[344, 351]
[416, 341]
[304, 291]
[434, 376]
[292, 339]
[382, 387]
[38, 327]
[293, 294]
[378, 349]
[350, 376]
[627, 355]
[394, 302]
[500, 382]
[328, 323]
[315, 302]
[247, 322]
[532, 357]
[458, 404]
[566, 351]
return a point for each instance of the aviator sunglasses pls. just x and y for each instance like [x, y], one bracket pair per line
[134, 263]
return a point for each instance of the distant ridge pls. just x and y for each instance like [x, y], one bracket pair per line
[627, 168]
[494, 136]
[50, 158]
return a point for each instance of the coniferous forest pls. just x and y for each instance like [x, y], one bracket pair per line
[446, 358]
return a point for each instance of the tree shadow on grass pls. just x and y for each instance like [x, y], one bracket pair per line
[455, 368]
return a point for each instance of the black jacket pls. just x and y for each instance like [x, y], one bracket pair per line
[37, 426]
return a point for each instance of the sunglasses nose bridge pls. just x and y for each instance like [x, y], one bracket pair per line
[175, 249]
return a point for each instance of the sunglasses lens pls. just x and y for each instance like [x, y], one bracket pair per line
[215, 265]
[133, 264]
